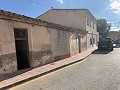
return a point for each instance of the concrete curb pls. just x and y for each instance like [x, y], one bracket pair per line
[49, 71]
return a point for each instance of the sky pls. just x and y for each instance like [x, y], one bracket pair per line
[108, 9]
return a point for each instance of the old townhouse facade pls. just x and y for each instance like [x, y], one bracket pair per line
[27, 42]
[76, 18]
[31, 42]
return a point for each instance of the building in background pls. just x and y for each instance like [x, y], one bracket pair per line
[76, 18]
[114, 35]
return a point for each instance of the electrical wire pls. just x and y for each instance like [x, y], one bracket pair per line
[39, 3]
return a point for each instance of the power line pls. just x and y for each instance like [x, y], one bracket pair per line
[114, 20]
[39, 3]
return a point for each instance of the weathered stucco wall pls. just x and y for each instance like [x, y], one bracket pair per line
[77, 18]
[60, 44]
[8, 62]
[64, 44]
[45, 45]
[83, 42]
[39, 45]
[72, 18]
[74, 48]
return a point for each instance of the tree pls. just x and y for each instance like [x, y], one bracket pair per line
[103, 27]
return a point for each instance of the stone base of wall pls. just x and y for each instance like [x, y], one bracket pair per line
[61, 57]
[8, 63]
[40, 58]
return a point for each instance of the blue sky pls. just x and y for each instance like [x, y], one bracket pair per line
[108, 9]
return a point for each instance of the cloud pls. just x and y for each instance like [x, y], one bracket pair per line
[115, 6]
[61, 1]
[115, 28]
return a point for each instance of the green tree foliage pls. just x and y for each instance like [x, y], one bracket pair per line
[103, 27]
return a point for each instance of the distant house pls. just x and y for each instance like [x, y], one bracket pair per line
[114, 35]
[76, 18]
[27, 42]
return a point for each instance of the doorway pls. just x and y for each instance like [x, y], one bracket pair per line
[22, 49]
[79, 44]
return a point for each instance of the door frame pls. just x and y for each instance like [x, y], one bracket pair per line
[15, 38]
[79, 43]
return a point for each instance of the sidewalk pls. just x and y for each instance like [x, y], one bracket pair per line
[10, 80]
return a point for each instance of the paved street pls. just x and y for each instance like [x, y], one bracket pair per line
[99, 71]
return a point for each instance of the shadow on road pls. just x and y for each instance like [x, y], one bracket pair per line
[101, 52]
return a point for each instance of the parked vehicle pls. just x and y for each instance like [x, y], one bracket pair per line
[105, 44]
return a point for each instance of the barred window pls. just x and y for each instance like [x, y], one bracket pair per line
[19, 33]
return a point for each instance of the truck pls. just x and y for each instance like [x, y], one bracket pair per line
[105, 44]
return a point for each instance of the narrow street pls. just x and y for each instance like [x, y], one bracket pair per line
[99, 71]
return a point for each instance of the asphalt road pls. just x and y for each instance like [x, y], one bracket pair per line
[99, 71]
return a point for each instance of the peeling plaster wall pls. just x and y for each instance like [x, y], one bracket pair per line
[39, 45]
[74, 48]
[45, 45]
[73, 18]
[83, 43]
[64, 44]
[60, 44]
[8, 62]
